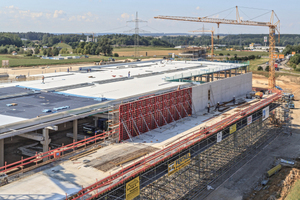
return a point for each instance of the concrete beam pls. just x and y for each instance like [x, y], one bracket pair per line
[55, 128]
[33, 136]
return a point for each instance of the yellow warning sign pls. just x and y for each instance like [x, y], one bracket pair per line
[133, 188]
[232, 129]
[179, 164]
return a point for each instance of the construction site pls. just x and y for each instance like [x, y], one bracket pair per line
[158, 129]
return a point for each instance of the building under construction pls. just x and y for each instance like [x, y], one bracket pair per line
[192, 52]
[147, 130]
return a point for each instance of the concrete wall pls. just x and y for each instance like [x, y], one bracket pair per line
[221, 90]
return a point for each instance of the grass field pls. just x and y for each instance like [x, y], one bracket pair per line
[241, 53]
[20, 60]
[63, 45]
[257, 62]
[294, 194]
[151, 51]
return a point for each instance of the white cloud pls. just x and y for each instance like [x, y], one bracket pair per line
[57, 13]
[36, 15]
[197, 8]
[125, 16]
[88, 17]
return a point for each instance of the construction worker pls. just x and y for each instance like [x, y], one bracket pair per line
[43, 80]
[233, 100]
[128, 74]
[208, 107]
[217, 106]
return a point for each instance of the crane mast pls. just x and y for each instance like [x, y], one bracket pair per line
[273, 27]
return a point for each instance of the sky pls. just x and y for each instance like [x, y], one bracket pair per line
[111, 16]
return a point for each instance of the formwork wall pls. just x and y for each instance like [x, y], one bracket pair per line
[221, 90]
[143, 115]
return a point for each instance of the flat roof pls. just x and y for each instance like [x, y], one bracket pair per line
[32, 105]
[82, 88]
[69, 176]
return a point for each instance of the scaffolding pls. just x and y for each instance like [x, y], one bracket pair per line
[212, 160]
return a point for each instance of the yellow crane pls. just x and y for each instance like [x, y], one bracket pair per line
[273, 24]
[212, 31]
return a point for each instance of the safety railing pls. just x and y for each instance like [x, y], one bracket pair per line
[142, 165]
[202, 72]
[54, 153]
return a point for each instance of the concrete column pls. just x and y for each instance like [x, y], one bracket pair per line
[96, 121]
[75, 129]
[201, 78]
[2, 152]
[207, 78]
[229, 73]
[219, 76]
[46, 141]
[212, 77]
[245, 69]
[225, 74]
[235, 71]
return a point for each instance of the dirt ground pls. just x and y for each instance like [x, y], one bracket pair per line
[149, 52]
[279, 184]
[240, 185]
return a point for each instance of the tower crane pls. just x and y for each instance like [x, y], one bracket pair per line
[212, 31]
[273, 24]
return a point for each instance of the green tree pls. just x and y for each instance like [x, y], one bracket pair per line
[267, 68]
[259, 68]
[29, 53]
[55, 51]
[36, 51]
[49, 52]
[45, 52]
[116, 55]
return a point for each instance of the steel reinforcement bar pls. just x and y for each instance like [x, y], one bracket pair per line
[153, 159]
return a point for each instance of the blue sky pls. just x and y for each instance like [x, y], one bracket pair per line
[72, 16]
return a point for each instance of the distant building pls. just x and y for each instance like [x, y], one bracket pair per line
[81, 40]
[192, 52]
[45, 47]
[253, 45]
[181, 47]
[24, 39]
[29, 48]
[88, 39]
[263, 48]
[14, 53]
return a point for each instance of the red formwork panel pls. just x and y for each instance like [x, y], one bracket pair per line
[140, 116]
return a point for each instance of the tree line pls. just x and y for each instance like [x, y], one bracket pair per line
[232, 40]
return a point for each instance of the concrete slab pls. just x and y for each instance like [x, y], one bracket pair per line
[69, 176]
